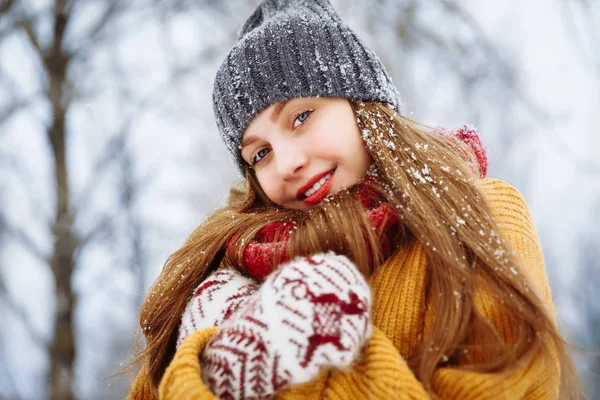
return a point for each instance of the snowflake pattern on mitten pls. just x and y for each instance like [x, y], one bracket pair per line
[311, 313]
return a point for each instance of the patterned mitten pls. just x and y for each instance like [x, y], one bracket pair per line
[311, 313]
[215, 300]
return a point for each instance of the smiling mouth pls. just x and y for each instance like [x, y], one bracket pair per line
[318, 191]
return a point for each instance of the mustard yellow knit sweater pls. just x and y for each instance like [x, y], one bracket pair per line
[401, 318]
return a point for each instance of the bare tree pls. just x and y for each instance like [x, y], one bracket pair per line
[63, 56]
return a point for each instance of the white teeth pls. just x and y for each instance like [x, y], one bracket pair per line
[318, 185]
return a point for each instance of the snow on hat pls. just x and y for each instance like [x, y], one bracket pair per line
[289, 49]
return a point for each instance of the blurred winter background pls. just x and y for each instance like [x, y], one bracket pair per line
[109, 154]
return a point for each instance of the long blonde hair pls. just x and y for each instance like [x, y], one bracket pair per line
[430, 181]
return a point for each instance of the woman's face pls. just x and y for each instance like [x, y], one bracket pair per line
[304, 149]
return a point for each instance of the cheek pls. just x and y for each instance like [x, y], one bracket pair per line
[270, 186]
[341, 143]
[326, 142]
[353, 150]
[356, 158]
[364, 159]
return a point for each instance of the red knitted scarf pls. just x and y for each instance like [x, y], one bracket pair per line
[273, 238]
[259, 253]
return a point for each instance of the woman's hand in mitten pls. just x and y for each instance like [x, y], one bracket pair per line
[215, 300]
[312, 313]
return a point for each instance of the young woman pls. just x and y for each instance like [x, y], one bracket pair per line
[366, 256]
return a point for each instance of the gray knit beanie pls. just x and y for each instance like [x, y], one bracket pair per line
[289, 49]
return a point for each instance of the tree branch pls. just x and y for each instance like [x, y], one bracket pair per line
[22, 314]
[5, 6]
[8, 112]
[7, 30]
[103, 21]
[540, 115]
[108, 154]
[117, 143]
[23, 239]
[27, 26]
[103, 227]
[100, 33]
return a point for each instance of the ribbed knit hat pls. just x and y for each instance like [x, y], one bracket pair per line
[289, 49]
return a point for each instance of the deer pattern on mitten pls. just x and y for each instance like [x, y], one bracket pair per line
[310, 314]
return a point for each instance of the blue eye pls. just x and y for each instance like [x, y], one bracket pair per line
[303, 116]
[260, 155]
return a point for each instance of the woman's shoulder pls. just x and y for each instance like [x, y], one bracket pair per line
[508, 206]
[499, 193]
[494, 186]
[512, 215]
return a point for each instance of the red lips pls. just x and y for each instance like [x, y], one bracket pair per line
[320, 194]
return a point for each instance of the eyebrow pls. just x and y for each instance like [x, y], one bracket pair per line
[277, 110]
[249, 139]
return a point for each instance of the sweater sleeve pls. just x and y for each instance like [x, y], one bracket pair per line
[537, 376]
[381, 374]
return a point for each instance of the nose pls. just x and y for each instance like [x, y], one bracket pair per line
[290, 162]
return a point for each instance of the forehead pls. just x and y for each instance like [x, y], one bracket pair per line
[266, 116]
[273, 113]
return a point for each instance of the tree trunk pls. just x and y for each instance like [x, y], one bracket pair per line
[62, 262]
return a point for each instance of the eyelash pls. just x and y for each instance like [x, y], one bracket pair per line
[255, 161]
[309, 111]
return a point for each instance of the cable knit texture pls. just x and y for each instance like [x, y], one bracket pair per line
[401, 314]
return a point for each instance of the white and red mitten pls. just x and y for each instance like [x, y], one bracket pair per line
[311, 313]
[215, 300]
